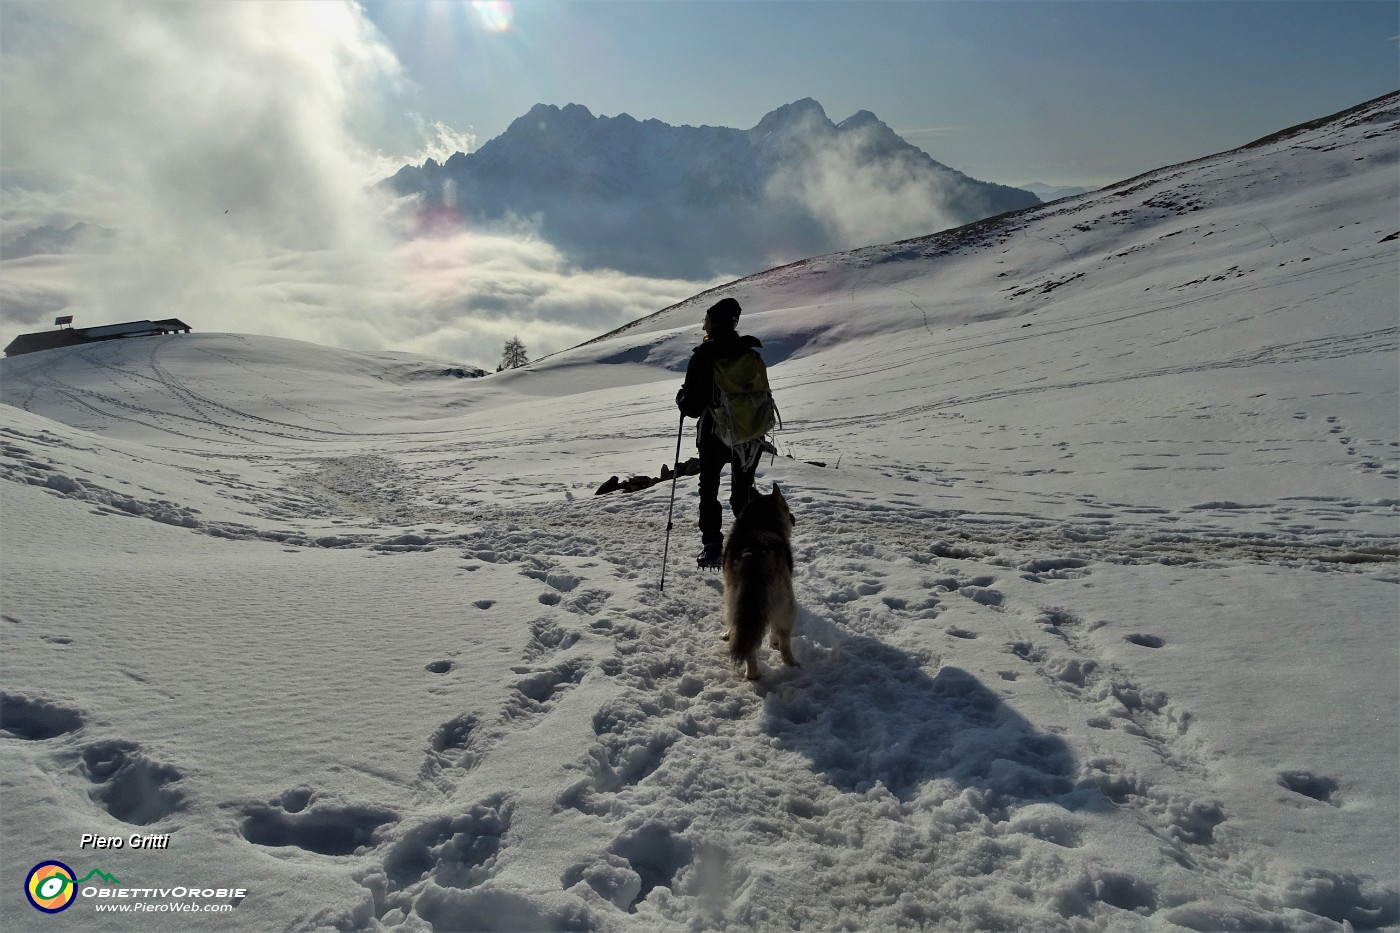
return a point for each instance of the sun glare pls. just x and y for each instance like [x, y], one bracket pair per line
[495, 15]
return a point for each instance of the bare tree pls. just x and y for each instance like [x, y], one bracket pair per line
[514, 356]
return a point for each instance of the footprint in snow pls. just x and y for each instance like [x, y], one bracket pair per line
[637, 863]
[1053, 620]
[437, 872]
[1026, 652]
[453, 851]
[537, 690]
[983, 596]
[589, 602]
[1180, 817]
[1310, 785]
[299, 819]
[455, 734]
[130, 786]
[548, 636]
[36, 719]
[1044, 569]
[1116, 889]
[551, 576]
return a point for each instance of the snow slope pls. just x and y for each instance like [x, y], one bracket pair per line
[1098, 589]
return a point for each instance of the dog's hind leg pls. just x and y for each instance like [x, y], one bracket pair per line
[785, 646]
[751, 666]
[731, 603]
[784, 621]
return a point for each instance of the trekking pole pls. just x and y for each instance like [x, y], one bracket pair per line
[675, 469]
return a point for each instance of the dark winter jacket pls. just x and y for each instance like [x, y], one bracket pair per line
[697, 392]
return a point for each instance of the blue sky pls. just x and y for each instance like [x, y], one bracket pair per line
[1005, 90]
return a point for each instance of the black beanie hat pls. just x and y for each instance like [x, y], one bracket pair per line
[724, 311]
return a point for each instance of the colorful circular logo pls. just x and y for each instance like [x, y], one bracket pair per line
[51, 887]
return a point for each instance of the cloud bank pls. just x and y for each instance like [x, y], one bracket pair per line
[859, 197]
[207, 161]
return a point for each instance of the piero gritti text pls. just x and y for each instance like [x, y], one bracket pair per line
[144, 841]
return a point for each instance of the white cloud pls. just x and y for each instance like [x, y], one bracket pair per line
[862, 200]
[440, 143]
[217, 141]
[517, 284]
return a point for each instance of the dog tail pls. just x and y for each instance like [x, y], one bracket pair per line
[753, 575]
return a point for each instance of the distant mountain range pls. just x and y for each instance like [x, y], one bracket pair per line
[648, 198]
[1049, 193]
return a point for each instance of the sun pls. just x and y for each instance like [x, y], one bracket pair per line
[494, 15]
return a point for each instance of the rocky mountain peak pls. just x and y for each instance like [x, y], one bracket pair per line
[649, 198]
[800, 114]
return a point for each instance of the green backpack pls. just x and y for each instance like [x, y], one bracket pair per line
[743, 407]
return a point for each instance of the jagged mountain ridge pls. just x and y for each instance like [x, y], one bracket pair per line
[649, 198]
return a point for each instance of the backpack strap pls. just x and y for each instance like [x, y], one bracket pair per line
[746, 454]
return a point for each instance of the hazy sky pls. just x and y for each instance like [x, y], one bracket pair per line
[1014, 92]
[212, 160]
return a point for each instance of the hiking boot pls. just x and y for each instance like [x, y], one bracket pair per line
[710, 557]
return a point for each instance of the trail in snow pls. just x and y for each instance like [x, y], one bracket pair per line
[879, 748]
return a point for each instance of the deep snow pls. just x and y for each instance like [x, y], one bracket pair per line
[1098, 588]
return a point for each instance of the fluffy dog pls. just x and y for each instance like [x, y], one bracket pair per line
[757, 571]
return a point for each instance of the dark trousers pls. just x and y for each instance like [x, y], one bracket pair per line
[715, 455]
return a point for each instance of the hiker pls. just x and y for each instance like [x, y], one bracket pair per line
[722, 342]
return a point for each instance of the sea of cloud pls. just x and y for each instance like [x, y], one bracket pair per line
[216, 156]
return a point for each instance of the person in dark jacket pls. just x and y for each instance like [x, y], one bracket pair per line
[722, 341]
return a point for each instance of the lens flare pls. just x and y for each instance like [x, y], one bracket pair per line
[495, 15]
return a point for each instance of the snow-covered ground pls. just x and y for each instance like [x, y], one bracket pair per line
[1098, 587]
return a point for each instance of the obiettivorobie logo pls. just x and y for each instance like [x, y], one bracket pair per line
[52, 886]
